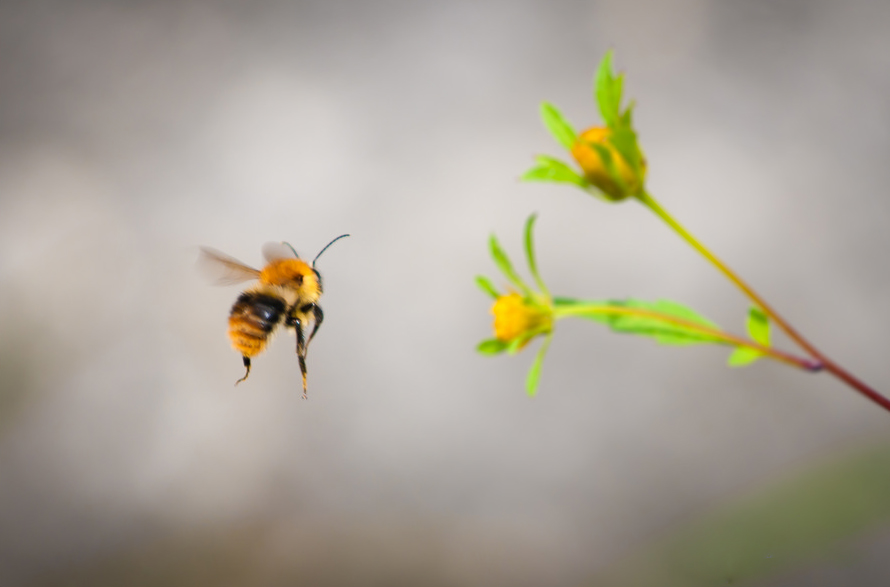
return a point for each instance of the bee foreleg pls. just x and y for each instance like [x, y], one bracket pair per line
[301, 351]
[302, 359]
[319, 318]
[247, 365]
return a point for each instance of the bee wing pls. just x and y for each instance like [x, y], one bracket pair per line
[224, 270]
[275, 251]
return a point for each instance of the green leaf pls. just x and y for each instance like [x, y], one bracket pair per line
[503, 263]
[666, 321]
[486, 286]
[758, 330]
[606, 155]
[491, 346]
[655, 320]
[625, 142]
[534, 373]
[565, 302]
[608, 91]
[515, 345]
[518, 343]
[554, 170]
[758, 326]
[561, 130]
[530, 253]
[609, 161]
[627, 117]
[742, 356]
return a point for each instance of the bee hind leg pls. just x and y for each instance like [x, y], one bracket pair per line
[247, 366]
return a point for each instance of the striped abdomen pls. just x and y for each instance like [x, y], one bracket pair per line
[253, 318]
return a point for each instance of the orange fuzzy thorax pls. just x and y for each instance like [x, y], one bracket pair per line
[293, 280]
[287, 272]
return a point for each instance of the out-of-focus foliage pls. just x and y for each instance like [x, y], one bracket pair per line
[807, 515]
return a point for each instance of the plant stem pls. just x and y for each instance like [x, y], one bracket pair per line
[827, 364]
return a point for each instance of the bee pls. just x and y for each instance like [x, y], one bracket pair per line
[286, 292]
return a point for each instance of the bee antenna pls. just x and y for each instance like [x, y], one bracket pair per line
[326, 248]
[291, 247]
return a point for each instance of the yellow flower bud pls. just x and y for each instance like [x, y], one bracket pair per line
[595, 170]
[514, 316]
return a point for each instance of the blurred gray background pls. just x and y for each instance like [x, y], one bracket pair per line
[131, 133]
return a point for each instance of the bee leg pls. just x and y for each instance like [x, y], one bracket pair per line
[247, 365]
[319, 318]
[303, 371]
[301, 352]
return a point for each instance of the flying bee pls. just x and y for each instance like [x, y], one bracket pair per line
[286, 292]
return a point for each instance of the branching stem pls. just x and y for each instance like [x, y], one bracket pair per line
[826, 363]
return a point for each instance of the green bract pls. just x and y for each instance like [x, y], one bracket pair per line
[503, 263]
[553, 170]
[486, 286]
[607, 91]
[561, 130]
